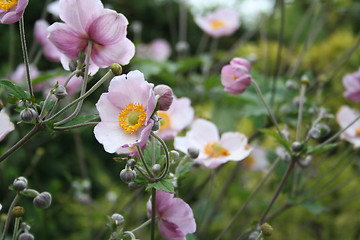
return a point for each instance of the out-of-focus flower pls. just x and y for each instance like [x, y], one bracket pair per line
[54, 8]
[222, 22]
[175, 217]
[6, 125]
[88, 20]
[19, 76]
[214, 150]
[165, 95]
[352, 85]
[125, 113]
[40, 33]
[174, 120]
[12, 10]
[158, 50]
[72, 87]
[236, 76]
[257, 160]
[344, 117]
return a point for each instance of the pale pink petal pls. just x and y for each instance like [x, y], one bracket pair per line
[41, 31]
[107, 111]
[203, 132]
[111, 136]
[6, 125]
[13, 14]
[170, 230]
[236, 144]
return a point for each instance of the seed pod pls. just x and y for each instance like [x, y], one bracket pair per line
[43, 200]
[266, 229]
[28, 115]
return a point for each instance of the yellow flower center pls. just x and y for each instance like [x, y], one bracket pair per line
[132, 117]
[357, 131]
[214, 150]
[164, 121]
[7, 4]
[216, 24]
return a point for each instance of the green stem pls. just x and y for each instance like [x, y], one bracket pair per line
[142, 158]
[300, 113]
[260, 184]
[25, 54]
[16, 226]
[9, 215]
[141, 226]
[76, 126]
[167, 155]
[153, 212]
[259, 236]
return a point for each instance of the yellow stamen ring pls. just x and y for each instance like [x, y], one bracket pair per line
[165, 120]
[214, 150]
[132, 117]
[7, 4]
[216, 24]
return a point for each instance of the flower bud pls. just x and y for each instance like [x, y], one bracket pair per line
[174, 155]
[118, 219]
[127, 175]
[136, 26]
[28, 115]
[156, 126]
[193, 152]
[24, 226]
[324, 129]
[43, 200]
[20, 183]
[182, 47]
[266, 229]
[304, 79]
[116, 69]
[26, 236]
[60, 92]
[315, 133]
[156, 168]
[72, 65]
[306, 161]
[296, 146]
[132, 185]
[18, 211]
[166, 96]
[291, 84]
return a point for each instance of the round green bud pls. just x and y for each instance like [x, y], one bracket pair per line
[18, 211]
[266, 229]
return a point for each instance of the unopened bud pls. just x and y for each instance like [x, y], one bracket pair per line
[127, 175]
[24, 226]
[193, 152]
[306, 161]
[315, 133]
[28, 115]
[43, 200]
[60, 92]
[116, 69]
[174, 155]
[182, 46]
[296, 146]
[166, 96]
[266, 229]
[72, 65]
[18, 211]
[26, 236]
[20, 183]
[132, 185]
[136, 26]
[324, 129]
[304, 80]
[118, 219]
[156, 168]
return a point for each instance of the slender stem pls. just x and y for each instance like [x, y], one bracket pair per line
[260, 184]
[43, 109]
[142, 158]
[300, 113]
[272, 116]
[83, 87]
[9, 215]
[141, 226]
[76, 126]
[278, 190]
[167, 155]
[153, 212]
[16, 226]
[143, 173]
[278, 211]
[25, 54]
[22, 141]
[108, 75]
[259, 236]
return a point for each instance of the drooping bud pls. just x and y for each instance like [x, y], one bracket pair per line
[28, 115]
[26, 236]
[166, 96]
[118, 219]
[156, 168]
[127, 175]
[20, 183]
[266, 229]
[193, 152]
[60, 92]
[18, 211]
[43, 200]
[116, 69]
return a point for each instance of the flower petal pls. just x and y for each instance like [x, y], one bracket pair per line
[110, 135]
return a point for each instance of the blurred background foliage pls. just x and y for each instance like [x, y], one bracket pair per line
[318, 38]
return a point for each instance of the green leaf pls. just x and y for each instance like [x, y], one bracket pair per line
[313, 207]
[182, 169]
[163, 185]
[14, 89]
[316, 149]
[149, 154]
[282, 141]
[80, 119]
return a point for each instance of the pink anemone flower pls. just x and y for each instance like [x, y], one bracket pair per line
[41, 33]
[125, 113]
[352, 85]
[12, 10]
[174, 120]
[213, 150]
[158, 50]
[88, 20]
[222, 22]
[236, 76]
[344, 117]
[6, 125]
[176, 218]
